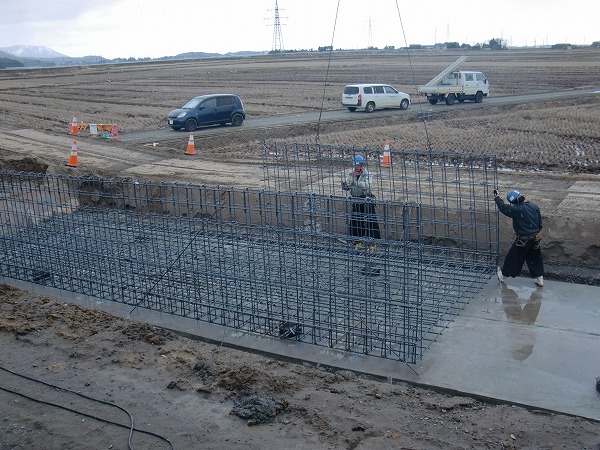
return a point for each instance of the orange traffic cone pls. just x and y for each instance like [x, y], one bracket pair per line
[73, 158]
[191, 150]
[387, 156]
[74, 128]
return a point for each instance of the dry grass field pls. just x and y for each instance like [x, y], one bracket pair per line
[558, 136]
[187, 390]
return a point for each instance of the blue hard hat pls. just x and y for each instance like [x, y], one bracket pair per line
[513, 196]
[359, 159]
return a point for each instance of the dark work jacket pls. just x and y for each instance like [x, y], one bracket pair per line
[526, 216]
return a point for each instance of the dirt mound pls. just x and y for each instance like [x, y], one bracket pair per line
[259, 410]
[31, 165]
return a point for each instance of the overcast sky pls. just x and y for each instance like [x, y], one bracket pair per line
[154, 28]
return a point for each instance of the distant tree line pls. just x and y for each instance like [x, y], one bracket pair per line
[492, 44]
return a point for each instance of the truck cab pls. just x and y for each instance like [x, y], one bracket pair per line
[474, 82]
[451, 85]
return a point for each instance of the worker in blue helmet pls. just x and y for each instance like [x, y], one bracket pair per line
[363, 221]
[527, 224]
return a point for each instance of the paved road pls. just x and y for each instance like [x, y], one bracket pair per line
[166, 133]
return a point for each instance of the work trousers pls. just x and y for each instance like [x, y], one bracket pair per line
[363, 223]
[524, 251]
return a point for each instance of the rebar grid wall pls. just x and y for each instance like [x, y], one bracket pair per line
[452, 189]
[264, 261]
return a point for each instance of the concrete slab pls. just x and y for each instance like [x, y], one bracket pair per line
[536, 347]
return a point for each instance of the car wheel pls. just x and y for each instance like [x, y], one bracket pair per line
[432, 100]
[479, 97]
[404, 103]
[370, 107]
[191, 125]
[450, 99]
[237, 120]
[352, 109]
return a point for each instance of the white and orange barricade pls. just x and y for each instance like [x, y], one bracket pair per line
[114, 132]
[105, 130]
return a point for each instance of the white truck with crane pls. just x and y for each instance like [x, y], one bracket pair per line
[451, 85]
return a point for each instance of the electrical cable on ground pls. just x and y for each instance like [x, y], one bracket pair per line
[130, 427]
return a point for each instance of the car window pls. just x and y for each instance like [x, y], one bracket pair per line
[479, 77]
[468, 77]
[191, 104]
[452, 78]
[351, 90]
[225, 101]
[390, 90]
[378, 89]
[209, 103]
[368, 90]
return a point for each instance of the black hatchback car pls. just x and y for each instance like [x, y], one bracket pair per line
[208, 110]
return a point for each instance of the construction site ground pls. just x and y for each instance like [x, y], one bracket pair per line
[499, 377]
[514, 370]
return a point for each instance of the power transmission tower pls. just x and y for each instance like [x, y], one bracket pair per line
[277, 38]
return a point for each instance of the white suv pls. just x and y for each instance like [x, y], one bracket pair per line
[371, 96]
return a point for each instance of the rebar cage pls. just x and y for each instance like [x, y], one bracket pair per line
[452, 189]
[273, 262]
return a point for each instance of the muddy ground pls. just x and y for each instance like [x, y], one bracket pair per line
[200, 395]
[204, 396]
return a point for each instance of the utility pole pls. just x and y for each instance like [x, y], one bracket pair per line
[277, 38]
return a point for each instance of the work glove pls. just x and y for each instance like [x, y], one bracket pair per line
[496, 193]
[345, 186]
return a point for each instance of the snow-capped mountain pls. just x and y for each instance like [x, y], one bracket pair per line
[32, 51]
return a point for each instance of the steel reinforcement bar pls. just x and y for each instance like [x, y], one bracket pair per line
[268, 262]
[453, 189]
